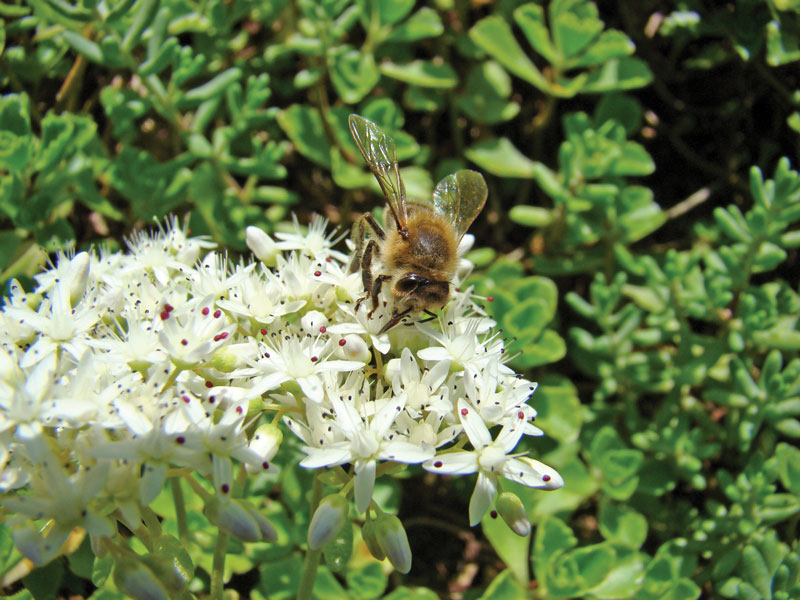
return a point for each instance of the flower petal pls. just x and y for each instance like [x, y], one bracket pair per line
[456, 463]
[482, 497]
[364, 483]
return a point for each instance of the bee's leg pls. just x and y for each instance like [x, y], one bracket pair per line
[376, 291]
[373, 224]
[396, 318]
[431, 316]
[366, 272]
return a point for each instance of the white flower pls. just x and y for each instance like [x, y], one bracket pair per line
[421, 390]
[190, 336]
[57, 323]
[314, 242]
[490, 458]
[123, 370]
[367, 440]
[290, 358]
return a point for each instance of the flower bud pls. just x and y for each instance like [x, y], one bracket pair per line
[266, 442]
[263, 246]
[370, 538]
[353, 348]
[328, 520]
[232, 356]
[510, 507]
[268, 531]
[137, 581]
[171, 563]
[77, 276]
[232, 517]
[312, 321]
[393, 541]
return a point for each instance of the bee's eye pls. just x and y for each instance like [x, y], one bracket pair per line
[410, 282]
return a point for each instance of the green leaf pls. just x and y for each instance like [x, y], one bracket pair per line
[282, 578]
[553, 537]
[531, 216]
[416, 593]
[755, 570]
[504, 587]
[548, 348]
[484, 98]
[499, 157]
[338, 551]
[353, 74]
[511, 548]
[422, 73]
[327, 586]
[559, 408]
[575, 24]
[624, 578]
[494, 36]
[71, 11]
[611, 44]
[393, 11]
[625, 73]
[145, 12]
[788, 457]
[212, 88]
[366, 582]
[594, 562]
[81, 45]
[622, 525]
[161, 59]
[531, 19]
[782, 44]
[425, 23]
[303, 126]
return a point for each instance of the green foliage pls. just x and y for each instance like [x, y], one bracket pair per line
[666, 340]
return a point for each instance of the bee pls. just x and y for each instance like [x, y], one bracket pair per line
[417, 251]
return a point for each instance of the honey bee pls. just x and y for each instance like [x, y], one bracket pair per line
[418, 249]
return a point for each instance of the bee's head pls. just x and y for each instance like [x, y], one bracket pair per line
[413, 292]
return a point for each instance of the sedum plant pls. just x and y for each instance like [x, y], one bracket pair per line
[172, 365]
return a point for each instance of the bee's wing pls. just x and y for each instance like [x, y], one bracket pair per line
[379, 152]
[459, 198]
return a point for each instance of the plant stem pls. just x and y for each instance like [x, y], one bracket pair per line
[218, 568]
[180, 511]
[311, 562]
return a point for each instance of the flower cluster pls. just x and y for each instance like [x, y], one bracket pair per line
[120, 369]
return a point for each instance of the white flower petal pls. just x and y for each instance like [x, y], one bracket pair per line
[532, 473]
[405, 452]
[476, 429]
[329, 456]
[482, 497]
[455, 463]
[364, 483]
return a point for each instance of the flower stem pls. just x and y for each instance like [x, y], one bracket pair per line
[218, 567]
[180, 511]
[312, 556]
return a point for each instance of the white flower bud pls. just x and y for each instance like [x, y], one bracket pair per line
[510, 507]
[328, 520]
[354, 348]
[266, 441]
[312, 321]
[232, 356]
[393, 541]
[370, 538]
[232, 517]
[263, 246]
[78, 274]
[138, 581]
